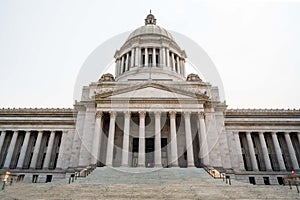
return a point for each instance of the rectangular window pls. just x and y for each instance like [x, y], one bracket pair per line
[48, 178]
[35, 178]
[280, 180]
[252, 180]
[266, 180]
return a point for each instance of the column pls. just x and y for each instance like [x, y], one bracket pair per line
[49, 150]
[265, 151]
[291, 150]
[117, 67]
[146, 57]
[23, 150]
[239, 150]
[141, 159]
[173, 61]
[36, 150]
[11, 149]
[122, 65]
[157, 140]
[127, 62]
[97, 137]
[189, 139]
[168, 58]
[111, 138]
[203, 139]
[174, 153]
[178, 64]
[61, 153]
[125, 149]
[132, 58]
[2, 137]
[278, 152]
[163, 57]
[183, 68]
[137, 56]
[298, 134]
[154, 57]
[252, 152]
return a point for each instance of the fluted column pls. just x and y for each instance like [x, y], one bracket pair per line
[163, 57]
[178, 64]
[252, 152]
[141, 159]
[154, 57]
[291, 150]
[138, 57]
[265, 151]
[49, 150]
[97, 138]
[62, 147]
[132, 58]
[122, 65]
[11, 149]
[146, 57]
[157, 140]
[239, 150]
[111, 138]
[173, 61]
[174, 153]
[36, 149]
[127, 62]
[278, 152]
[117, 70]
[203, 138]
[183, 67]
[168, 58]
[189, 139]
[125, 149]
[2, 137]
[23, 150]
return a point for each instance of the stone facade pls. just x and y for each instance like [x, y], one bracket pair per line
[150, 114]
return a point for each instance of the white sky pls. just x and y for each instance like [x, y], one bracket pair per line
[254, 44]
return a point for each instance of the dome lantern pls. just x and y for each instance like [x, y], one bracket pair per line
[150, 19]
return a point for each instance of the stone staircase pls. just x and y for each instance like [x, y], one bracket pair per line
[147, 183]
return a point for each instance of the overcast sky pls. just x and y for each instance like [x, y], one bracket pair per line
[255, 45]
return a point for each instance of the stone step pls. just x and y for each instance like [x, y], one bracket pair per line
[115, 183]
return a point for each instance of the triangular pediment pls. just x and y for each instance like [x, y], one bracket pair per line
[150, 91]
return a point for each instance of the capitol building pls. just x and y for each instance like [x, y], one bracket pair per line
[150, 114]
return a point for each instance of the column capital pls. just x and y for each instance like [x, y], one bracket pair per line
[142, 114]
[157, 113]
[187, 113]
[127, 114]
[113, 114]
[201, 115]
[286, 133]
[99, 114]
[172, 114]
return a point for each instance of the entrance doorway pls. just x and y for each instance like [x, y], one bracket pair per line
[150, 152]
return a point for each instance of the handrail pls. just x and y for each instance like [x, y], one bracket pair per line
[82, 173]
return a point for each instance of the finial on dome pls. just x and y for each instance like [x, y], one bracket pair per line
[150, 19]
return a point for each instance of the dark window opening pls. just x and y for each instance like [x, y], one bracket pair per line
[48, 178]
[266, 180]
[252, 180]
[280, 180]
[35, 178]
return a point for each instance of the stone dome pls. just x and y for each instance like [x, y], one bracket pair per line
[150, 29]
